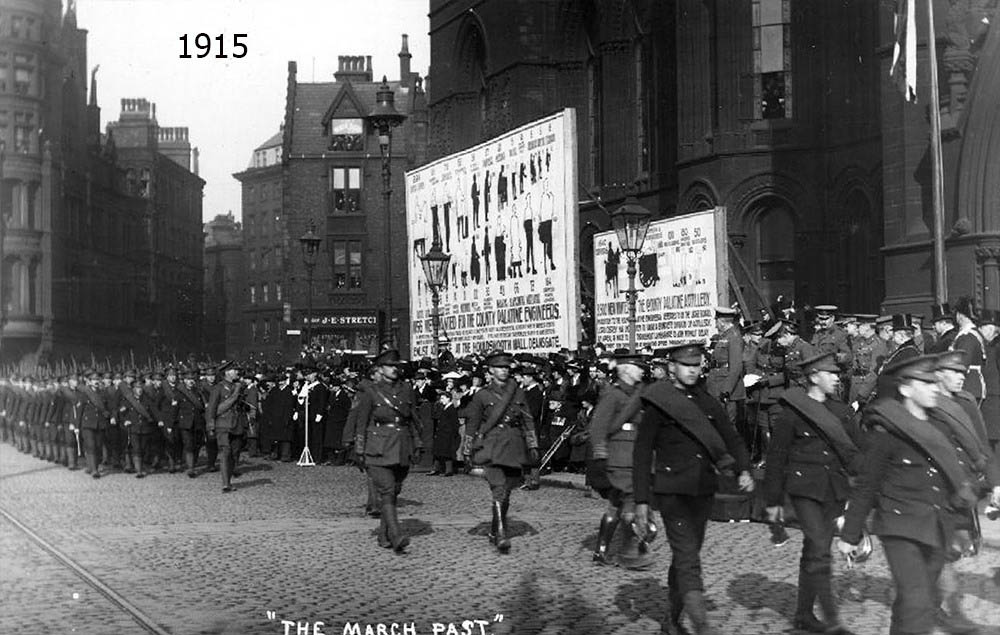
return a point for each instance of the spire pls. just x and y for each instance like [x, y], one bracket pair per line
[93, 86]
[69, 20]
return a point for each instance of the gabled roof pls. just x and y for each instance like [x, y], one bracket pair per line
[275, 140]
[345, 104]
[314, 100]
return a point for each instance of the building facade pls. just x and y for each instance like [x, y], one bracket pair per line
[225, 288]
[332, 181]
[690, 105]
[267, 247]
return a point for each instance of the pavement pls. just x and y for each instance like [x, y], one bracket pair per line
[291, 548]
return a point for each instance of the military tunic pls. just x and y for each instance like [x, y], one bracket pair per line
[506, 444]
[868, 355]
[725, 374]
[613, 439]
[387, 433]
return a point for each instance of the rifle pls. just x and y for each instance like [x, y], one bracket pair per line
[556, 445]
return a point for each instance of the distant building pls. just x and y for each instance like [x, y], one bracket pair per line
[101, 240]
[225, 284]
[331, 178]
[267, 247]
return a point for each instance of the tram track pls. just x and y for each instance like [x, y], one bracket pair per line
[115, 598]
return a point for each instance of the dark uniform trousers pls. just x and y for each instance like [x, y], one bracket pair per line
[502, 481]
[915, 569]
[684, 521]
[92, 440]
[388, 479]
[816, 519]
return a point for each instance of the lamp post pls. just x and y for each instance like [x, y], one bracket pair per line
[435, 264]
[310, 248]
[631, 222]
[3, 238]
[383, 118]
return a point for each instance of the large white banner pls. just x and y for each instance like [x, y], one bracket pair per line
[506, 211]
[682, 277]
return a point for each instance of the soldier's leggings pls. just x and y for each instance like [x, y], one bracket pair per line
[815, 565]
[388, 480]
[684, 520]
[502, 480]
[92, 440]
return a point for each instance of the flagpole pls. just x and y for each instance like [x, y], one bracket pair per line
[940, 275]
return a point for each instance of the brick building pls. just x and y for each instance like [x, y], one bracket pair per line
[331, 180]
[225, 288]
[755, 106]
[267, 247]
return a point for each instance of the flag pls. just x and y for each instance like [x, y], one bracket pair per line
[904, 51]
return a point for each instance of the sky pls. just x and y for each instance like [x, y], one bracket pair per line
[231, 106]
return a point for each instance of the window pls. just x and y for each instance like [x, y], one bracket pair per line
[4, 78]
[253, 330]
[267, 330]
[772, 59]
[277, 292]
[347, 264]
[17, 27]
[643, 81]
[347, 135]
[345, 190]
[253, 294]
[252, 259]
[23, 128]
[23, 80]
[265, 293]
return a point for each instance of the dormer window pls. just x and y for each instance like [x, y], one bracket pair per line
[347, 135]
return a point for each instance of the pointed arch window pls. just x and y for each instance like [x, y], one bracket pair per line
[772, 58]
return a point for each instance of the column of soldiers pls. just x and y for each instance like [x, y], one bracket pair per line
[865, 409]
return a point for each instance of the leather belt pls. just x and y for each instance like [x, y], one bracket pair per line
[388, 424]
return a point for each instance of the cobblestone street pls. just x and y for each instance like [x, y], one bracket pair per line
[292, 543]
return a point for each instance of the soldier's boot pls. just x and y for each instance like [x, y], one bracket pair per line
[501, 540]
[227, 471]
[805, 619]
[605, 532]
[397, 539]
[630, 556]
[72, 461]
[449, 467]
[824, 593]
[672, 624]
[137, 464]
[372, 507]
[189, 461]
[952, 619]
[694, 604]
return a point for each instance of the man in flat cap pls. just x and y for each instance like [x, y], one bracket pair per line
[388, 440]
[501, 436]
[814, 449]
[692, 439]
[725, 374]
[613, 429]
[958, 417]
[868, 353]
[911, 477]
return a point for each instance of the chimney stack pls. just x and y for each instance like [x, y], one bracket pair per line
[404, 61]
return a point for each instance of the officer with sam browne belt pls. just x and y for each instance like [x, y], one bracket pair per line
[500, 435]
[725, 367]
[387, 441]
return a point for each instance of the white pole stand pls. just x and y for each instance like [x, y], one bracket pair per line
[306, 458]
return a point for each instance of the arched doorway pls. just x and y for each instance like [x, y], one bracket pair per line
[860, 277]
[771, 247]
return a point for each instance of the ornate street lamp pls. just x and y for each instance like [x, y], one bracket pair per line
[631, 222]
[435, 264]
[310, 248]
[382, 119]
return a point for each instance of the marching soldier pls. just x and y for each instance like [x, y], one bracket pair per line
[226, 420]
[209, 378]
[912, 478]
[613, 429]
[781, 369]
[958, 417]
[814, 447]
[137, 414]
[868, 352]
[388, 440]
[92, 417]
[169, 406]
[725, 375]
[500, 434]
[69, 414]
[190, 419]
[692, 439]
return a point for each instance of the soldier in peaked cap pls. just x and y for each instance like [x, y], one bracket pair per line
[692, 439]
[387, 440]
[226, 420]
[500, 435]
[957, 416]
[780, 369]
[190, 419]
[831, 338]
[943, 321]
[613, 429]
[814, 448]
[911, 477]
[868, 353]
[725, 374]
[883, 329]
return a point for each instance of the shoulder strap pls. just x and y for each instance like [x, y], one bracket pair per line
[824, 422]
[500, 409]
